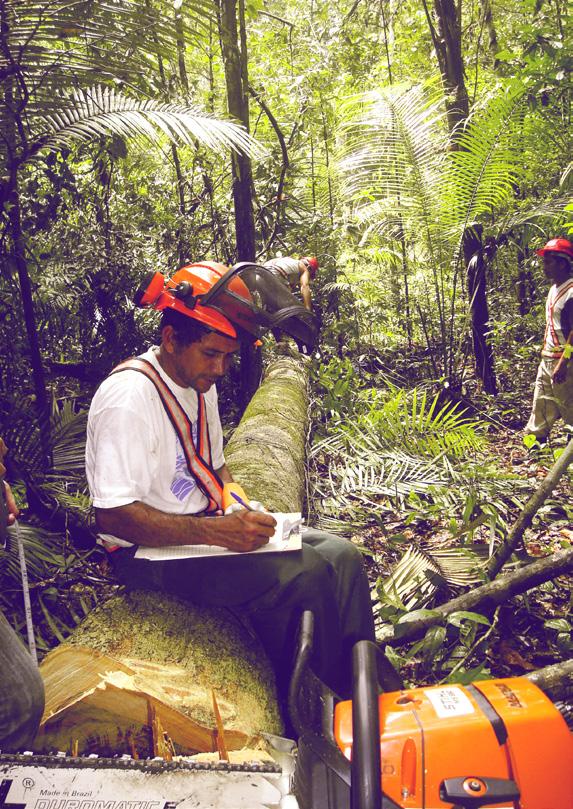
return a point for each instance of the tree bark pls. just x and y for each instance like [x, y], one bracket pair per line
[234, 51]
[267, 450]
[235, 63]
[556, 681]
[447, 38]
[476, 263]
[485, 597]
[163, 653]
[530, 509]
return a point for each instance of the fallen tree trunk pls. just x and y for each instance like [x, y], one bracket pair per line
[148, 660]
[530, 509]
[267, 450]
[482, 598]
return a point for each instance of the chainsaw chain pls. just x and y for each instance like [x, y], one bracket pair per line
[153, 765]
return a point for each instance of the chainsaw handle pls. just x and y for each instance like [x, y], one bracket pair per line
[301, 664]
[366, 782]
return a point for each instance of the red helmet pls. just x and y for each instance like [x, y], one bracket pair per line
[312, 264]
[560, 247]
[183, 292]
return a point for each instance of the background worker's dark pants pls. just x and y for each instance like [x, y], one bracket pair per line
[21, 692]
[326, 576]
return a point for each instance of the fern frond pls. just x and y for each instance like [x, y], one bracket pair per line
[105, 111]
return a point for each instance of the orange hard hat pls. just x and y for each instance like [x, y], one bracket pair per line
[242, 302]
[183, 293]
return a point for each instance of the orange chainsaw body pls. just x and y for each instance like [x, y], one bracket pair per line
[505, 729]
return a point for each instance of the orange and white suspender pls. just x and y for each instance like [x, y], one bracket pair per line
[198, 458]
[554, 351]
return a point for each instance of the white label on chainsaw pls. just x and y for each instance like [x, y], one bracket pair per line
[449, 702]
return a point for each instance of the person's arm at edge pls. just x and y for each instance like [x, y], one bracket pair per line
[304, 281]
[13, 510]
[560, 372]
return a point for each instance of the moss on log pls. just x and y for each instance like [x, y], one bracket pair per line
[267, 450]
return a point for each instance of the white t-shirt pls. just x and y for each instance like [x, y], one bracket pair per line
[132, 451]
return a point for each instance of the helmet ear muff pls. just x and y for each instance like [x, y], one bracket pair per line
[184, 292]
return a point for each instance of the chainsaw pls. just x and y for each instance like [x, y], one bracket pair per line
[498, 742]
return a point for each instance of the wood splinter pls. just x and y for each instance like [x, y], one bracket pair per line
[220, 731]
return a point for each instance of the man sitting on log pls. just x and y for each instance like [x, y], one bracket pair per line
[156, 470]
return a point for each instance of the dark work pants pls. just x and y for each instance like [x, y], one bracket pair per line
[326, 576]
[21, 692]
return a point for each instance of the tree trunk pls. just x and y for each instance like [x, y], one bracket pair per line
[19, 258]
[235, 62]
[475, 261]
[234, 51]
[486, 597]
[161, 655]
[447, 38]
[13, 136]
[556, 681]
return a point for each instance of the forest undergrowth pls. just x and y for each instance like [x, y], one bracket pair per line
[425, 485]
[461, 474]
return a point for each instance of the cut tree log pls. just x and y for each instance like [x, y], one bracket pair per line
[144, 654]
[145, 660]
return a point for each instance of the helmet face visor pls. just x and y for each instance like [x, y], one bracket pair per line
[250, 296]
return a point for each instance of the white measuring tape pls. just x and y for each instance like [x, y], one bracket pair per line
[26, 593]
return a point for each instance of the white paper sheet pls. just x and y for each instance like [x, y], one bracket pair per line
[287, 537]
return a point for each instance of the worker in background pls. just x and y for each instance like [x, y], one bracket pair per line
[297, 273]
[553, 393]
[152, 486]
[21, 686]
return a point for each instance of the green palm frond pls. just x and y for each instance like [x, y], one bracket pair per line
[68, 43]
[412, 421]
[42, 549]
[482, 170]
[394, 148]
[412, 581]
[554, 209]
[105, 111]
[68, 436]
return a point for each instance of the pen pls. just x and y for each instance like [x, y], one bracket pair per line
[241, 501]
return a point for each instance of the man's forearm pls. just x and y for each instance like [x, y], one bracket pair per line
[144, 525]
